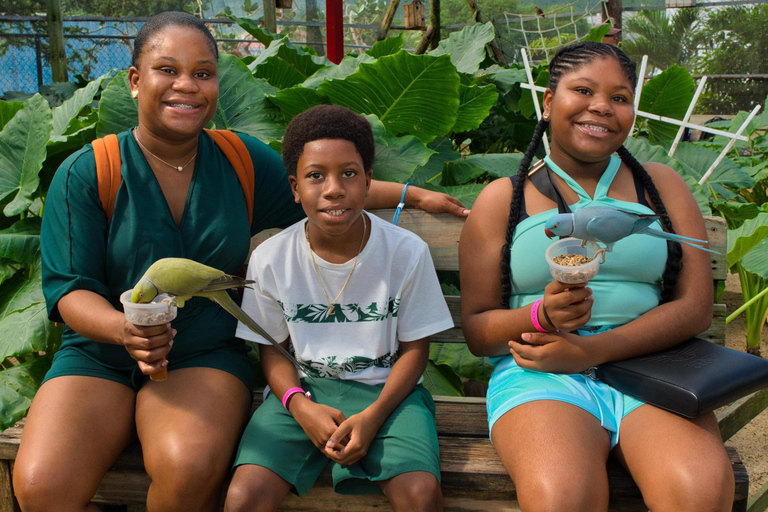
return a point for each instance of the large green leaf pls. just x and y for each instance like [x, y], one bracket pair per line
[396, 157]
[433, 169]
[65, 116]
[746, 237]
[507, 82]
[21, 241]
[527, 108]
[295, 100]
[498, 165]
[262, 35]
[440, 380]
[475, 103]
[283, 65]
[697, 159]
[22, 153]
[461, 360]
[388, 46]
[467, 47]
[18, 386]
[668, 94]
[410, 94]
[242, 106]
[8, 109]
[348, 65]
[118, 111]
[756, 260]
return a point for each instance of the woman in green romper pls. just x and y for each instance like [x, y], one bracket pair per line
[180, 197]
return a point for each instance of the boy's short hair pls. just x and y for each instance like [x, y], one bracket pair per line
[327, 122]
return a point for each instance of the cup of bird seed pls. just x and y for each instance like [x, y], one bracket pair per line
[151, 313]
[571, 263]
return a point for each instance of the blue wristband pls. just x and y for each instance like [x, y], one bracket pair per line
[401, 205]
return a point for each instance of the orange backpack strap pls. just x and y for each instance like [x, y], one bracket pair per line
[107, 153]
[237, 154]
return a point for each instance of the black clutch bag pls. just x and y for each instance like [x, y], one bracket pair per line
[690, 379]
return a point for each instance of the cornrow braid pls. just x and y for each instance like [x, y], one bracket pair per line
[675, 259]
[572, 57]
[514, 209]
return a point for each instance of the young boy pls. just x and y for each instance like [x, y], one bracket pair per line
[357, 297]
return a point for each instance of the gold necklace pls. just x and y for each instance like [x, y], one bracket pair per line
[332, 303]
[176, 167]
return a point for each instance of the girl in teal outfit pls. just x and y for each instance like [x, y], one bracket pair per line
[179, 197]
[554, 428]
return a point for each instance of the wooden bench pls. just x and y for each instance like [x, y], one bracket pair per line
[473, 476]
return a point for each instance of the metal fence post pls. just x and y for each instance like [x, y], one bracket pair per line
[39, 58]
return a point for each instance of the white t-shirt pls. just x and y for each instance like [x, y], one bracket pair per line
[393, 296]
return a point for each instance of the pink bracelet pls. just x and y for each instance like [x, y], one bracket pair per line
[288, 394]
[535, 316]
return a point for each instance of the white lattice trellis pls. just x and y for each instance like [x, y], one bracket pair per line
[681, 123]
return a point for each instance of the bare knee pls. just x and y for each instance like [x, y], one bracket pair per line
[189, 475]
[554, 492]
[701, 487]
[39, 490]
[415, 491]
[255, 491]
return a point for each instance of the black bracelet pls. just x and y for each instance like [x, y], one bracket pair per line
[546, 316]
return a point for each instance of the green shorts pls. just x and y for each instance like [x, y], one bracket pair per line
[71, 361]
[406, 442]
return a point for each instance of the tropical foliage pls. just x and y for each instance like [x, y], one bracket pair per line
[450, 120]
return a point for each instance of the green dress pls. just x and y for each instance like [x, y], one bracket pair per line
[81, 252]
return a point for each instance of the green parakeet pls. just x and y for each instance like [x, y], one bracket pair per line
[184, 279]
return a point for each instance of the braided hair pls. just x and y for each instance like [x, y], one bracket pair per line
[566, 60]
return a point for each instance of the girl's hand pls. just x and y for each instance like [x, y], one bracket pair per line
[148, 345]
[319, 421]
[360, 432]
[568, 306]
[434, 202]
[552, 352]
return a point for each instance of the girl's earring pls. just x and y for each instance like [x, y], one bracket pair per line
[545, 116]
[134, 94]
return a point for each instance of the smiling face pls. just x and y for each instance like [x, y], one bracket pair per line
[591, 111]
[177, 83]
[331, 184]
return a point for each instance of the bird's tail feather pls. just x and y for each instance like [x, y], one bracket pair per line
[679, 238]
[223, 299]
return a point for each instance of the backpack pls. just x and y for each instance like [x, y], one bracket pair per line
[106, 150]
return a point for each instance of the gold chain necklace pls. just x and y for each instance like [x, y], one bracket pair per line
[332, 303]
[176, 167]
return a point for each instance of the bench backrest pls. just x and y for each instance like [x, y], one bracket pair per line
[442, 232]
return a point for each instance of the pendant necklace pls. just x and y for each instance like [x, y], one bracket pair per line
[332, 303]
[175, 167]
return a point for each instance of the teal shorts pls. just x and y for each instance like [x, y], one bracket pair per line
[511, 386]
[71, 361]
[406, 442]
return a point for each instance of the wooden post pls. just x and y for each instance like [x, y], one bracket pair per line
[58, 54]
[434, 22]
[270, 16]
[334, 29]
[495, 46]
[314, 34]
[422, 47]
[614, 12]
[391, 10]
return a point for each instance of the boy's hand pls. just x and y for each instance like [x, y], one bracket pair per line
[360, 431]
[318, 421]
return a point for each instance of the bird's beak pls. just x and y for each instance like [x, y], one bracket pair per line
[549, 233]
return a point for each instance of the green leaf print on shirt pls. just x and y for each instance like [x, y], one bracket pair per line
[332, 366]
[352, 312]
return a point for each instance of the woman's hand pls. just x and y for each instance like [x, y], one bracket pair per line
[359, 430]
[434, 202]
[557, 352]
[566, 307]
[318, 421]
[148, 345]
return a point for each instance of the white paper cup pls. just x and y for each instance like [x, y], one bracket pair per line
[575, 274]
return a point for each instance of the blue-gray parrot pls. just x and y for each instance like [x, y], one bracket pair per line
[183, 279]
[609, 225]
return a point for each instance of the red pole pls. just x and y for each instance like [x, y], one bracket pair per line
[334, 29]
